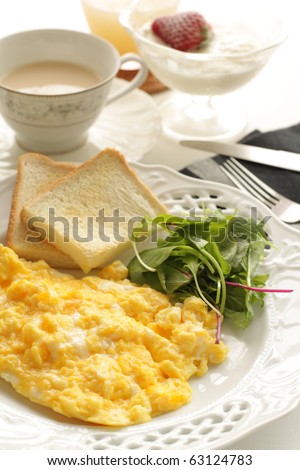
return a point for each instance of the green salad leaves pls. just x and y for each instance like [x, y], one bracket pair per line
[214, 257]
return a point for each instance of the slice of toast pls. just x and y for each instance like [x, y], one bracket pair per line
[93, 209]
[35, 172]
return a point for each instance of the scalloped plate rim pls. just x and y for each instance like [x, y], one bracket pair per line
[173, 175]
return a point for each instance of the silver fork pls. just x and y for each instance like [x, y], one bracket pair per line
[286, 209]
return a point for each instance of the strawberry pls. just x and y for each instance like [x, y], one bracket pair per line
[184, 31]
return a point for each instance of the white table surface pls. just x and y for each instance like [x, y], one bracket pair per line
[271, 100]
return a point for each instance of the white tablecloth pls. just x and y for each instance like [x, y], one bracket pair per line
[271, 100]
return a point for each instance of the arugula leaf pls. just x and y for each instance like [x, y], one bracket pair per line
[255, 255]
[149, 259]
[213, 249]
[199, 255]
[238, 307]
[172, 278]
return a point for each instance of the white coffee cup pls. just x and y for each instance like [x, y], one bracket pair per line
[59, 123]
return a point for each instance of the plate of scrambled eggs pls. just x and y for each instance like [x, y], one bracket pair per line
[100, 349]
[117, 364]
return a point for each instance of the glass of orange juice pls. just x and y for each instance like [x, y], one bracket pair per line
[103, 19]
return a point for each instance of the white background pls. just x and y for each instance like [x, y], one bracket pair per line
[271, 100]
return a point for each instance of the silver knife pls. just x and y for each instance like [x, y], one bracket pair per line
[275, 158]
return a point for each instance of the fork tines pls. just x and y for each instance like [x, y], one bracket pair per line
[248, 182]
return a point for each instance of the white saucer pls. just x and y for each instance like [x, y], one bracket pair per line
[131, 124]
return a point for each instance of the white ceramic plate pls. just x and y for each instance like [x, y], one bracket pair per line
[132, 124]
[258, 383]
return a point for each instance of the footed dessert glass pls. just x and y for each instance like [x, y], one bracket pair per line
[243, 37]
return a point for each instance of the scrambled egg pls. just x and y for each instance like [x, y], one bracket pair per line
[100, 349]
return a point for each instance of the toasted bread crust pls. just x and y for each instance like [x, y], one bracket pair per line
[54, 257]
[104, 153]
[19, 181]
[85, 201]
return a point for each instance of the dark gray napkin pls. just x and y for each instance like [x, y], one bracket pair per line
[285, 182]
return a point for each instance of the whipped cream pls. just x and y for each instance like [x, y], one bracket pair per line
[226, 39]
[232, 41]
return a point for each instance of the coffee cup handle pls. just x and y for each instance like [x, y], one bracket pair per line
[136, 81]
